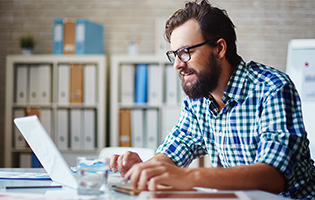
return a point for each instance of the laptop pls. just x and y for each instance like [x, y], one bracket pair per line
[45, 150]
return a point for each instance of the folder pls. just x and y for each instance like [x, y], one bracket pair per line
[58, 37]
[170, 116]
[88, 37]
[62, 129]
[141, 88]
[69, 36]
[76, 83]
[19, 142]
[155, 85]
[171, 83]
[152, 130]
[46, 119]
[137, 127]
[127, 83]
[90, 79]
[21, 84]
[75, 129]
[44, 84]
[63, 84]
[33, 111]
[89, 132]
[124, 127]
[34, 97]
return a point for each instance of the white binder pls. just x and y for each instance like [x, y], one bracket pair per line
[89, 130]
[19, 142]
[45, 118]
[21, 84]
[152, 128]
[44, 84]
[89, 84]
[62, 129]
[137, 128]
[63, 84]
[171, 85]
[170, 118]
[127, 82]
[154, 85]
[34, 85]
[75, 129]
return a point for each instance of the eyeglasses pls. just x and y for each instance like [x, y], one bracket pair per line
[184, 52]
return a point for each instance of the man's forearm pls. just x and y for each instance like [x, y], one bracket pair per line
[163, 157]
[257, 176]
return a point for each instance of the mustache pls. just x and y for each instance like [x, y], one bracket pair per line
[186, 71]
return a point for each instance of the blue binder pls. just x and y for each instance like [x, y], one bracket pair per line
[88, 37]
[58, 36]
[141, 84]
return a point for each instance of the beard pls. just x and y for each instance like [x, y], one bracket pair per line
[206, 82]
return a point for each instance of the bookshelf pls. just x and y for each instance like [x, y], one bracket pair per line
[67, 92]
[143, 124]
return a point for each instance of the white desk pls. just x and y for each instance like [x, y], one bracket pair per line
[66, 193]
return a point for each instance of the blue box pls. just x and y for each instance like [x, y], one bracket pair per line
[89, 37]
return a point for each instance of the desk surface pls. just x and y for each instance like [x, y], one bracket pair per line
[69, 193]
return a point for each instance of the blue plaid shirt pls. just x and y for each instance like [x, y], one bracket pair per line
[260, 123]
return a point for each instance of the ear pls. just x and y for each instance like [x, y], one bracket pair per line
[221, 48]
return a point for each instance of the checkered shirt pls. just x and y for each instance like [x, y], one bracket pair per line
[260, 123]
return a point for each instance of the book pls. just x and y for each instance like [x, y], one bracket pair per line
[76, 83]
[69, 36]
[127, 83]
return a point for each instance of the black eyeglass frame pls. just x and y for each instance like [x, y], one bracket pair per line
[187, 49]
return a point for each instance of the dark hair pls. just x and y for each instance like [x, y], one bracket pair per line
[213, 22]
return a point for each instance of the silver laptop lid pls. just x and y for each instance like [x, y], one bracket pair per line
[45, 150]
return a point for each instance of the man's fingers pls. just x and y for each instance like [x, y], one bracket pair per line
[113, 162]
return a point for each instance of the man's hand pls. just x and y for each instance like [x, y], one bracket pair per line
[124, 162]
[150, 174]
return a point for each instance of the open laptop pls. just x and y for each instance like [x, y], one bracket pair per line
[45, 150]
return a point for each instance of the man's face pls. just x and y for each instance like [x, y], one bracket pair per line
[200, 75]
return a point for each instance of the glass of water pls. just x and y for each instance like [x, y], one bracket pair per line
[92, 175]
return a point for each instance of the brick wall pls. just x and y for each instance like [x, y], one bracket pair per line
[264, 28]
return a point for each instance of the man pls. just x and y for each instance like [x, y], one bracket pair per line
[245, 116]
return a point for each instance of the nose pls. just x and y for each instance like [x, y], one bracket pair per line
[178, 63]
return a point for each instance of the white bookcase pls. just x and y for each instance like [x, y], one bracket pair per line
[158, 115]
[26, 74]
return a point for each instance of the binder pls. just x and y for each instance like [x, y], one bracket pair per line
[152, 128]
[124, 127]
[46, 119]
[25, 160]
[76, 83]
[63, 84]
[89, 132]
[170, 118]
[34, 97]
[21, 94]
[141, 88]
[62, 129]
[44, 84]
[90, 84]
[19, 141]
[161, 45]
[58, 36]
[69, 36]
[75, 129]
[154, 85]
[137, 127]
[127, 83]
[33, 111]
[88, 37]
[171, 83]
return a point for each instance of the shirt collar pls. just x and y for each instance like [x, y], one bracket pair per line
[235, 87]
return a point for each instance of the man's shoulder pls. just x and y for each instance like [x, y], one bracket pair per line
[267, 75]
